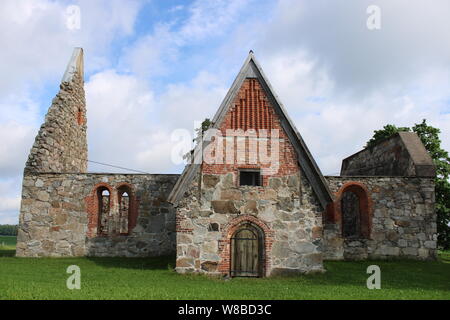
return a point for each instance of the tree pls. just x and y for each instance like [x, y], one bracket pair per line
[386, 132]
[430, 139]
[8, 230]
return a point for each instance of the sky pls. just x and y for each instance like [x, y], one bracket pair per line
[153, 67]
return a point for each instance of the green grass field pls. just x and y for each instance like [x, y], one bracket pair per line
[7, 245]
[153, 278]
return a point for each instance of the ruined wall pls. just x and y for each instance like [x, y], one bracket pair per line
[401, 155]
[60, 205]
[284, 207]
[402, 220]
[61, 144]
[56, 216]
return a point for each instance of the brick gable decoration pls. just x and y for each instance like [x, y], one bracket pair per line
[248, 108]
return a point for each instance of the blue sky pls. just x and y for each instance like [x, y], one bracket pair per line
[152, 67]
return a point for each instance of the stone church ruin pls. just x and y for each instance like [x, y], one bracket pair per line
[236, 217]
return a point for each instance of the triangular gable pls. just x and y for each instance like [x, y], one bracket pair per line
[252, 69]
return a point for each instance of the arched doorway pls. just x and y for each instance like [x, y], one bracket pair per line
[247, 245]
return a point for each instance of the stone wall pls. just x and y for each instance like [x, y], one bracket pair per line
[402, 219]
[56, 216]
[283, 208]
[403, 154]
[61, 144]
[286, 210]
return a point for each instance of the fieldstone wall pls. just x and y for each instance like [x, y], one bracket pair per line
[61, 144]
[403, 154]
[55, 216]
[402, 220]
[286, 210]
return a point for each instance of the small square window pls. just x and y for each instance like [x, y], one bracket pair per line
[249, 178]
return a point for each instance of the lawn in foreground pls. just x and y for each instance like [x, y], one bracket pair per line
[154, 278]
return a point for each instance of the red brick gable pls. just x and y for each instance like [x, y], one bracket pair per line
[252, 110]
[252, 104]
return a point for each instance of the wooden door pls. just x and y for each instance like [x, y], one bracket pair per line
[245, 254]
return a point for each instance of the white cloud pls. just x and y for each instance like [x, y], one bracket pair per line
[412, 40]
[340, 81]
[210, 18]
[130, 127]
[151, 54]
[9, 204]
[10, 200]
[37, 43]
[195, 101]
[156, 53]
[16, 142]
[36, 46]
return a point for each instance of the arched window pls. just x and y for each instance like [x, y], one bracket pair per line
[351, 220]
[355, 211]
[126, 217]
[112, 211]
[124, 207]
[104, 199]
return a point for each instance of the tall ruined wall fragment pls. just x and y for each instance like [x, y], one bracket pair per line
[393, 182]
[61, 144]
[61, 211]
[403, 154]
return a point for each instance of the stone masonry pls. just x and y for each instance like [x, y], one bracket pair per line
[401, 155]
[291, 220]
[284, 205]
[61, 144]
[234, 213]
[59, 213]
[55, 216]
[403, 222]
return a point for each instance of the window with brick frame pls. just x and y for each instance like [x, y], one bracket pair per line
[351, 224]
[124, 194]
[250, 177]
[355, 212]
[103, 198]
